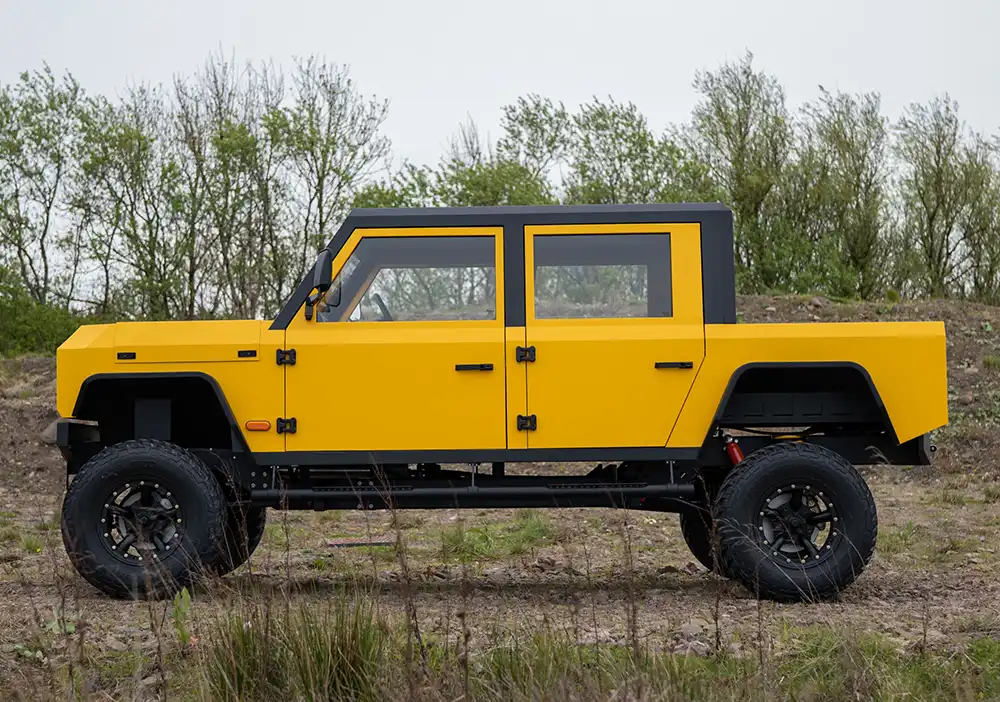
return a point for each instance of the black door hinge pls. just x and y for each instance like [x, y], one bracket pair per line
[525, 354]
[287, 426]
[526, 423]
[285, 357]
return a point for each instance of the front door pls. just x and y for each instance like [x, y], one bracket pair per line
[406, 351]
[614, 313]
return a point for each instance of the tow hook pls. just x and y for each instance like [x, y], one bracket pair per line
[733, 449]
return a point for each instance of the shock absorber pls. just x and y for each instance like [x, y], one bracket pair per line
[733, 449]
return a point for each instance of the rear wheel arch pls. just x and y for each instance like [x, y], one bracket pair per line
[848, 380]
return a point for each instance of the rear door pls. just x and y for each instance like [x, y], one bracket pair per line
[614, 313]
[409, 354]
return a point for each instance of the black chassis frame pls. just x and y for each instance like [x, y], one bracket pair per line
[660, 478]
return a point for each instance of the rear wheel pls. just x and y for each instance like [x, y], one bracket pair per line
[142, 518]
[696, 528]
[698, 525]
[796, 522]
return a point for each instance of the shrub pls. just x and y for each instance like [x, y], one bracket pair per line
[29, 327]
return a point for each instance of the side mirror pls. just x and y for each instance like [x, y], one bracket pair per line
[323, 271]
[322, 280]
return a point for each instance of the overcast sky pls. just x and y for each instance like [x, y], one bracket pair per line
[438, 61]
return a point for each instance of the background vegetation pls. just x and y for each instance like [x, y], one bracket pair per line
[208, 197]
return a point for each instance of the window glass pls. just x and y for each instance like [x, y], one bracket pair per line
[415, 279]
[602, 276]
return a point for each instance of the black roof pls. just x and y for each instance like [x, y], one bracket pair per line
[534, 210]
[716, 232]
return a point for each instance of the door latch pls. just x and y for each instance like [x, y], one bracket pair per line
[286, 426]
[285, 357]
[528, 423]
[524, 354]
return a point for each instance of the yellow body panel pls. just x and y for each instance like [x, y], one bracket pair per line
[392, 386]
[204, 341]
[594, 383]
[364, 386]
[88, 351]
[906, 362]
[253, 387]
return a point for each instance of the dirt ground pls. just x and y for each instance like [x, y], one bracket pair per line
[934, 580]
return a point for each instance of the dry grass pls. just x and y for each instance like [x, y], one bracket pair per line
[538, 610]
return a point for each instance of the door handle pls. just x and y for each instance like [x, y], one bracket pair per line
[673, 364]
[474, 366]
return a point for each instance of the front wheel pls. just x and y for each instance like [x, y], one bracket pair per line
[143, 518]
[796, 522]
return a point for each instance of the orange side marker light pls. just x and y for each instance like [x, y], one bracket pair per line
[258, 425]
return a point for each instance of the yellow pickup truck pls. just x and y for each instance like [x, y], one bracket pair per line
[428, 349]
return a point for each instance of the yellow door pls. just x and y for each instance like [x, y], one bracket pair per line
[406, 351]
[614, 313]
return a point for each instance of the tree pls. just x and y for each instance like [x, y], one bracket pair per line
[614, 157]
[536, 134]
[834, 194]
[130, 181]
[332, 141]
[38, 130]
[742, 130]
[979, 222]
[935, 188]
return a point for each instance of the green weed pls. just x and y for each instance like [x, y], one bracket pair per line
[462, 543]
[531, 529]
[180, 614]
[31, 544]
[894, 541]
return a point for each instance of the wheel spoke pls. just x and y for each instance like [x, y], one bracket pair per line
[820, 517]
[118, 511]
[778, 543]
[795, 501]
[810, 546]
[145, 496]
[127, 542]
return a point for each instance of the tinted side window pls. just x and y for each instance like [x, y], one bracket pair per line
[602, 276]
[415, 279]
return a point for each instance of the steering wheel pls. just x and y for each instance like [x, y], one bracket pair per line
[383, 310]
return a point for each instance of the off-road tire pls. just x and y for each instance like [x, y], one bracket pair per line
[244, 530]
[746, 489]
[696, 528]
[193, 486]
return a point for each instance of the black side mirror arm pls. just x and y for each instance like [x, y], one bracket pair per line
[322, 280]
[310, 303]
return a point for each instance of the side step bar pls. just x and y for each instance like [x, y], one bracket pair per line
[406, 497]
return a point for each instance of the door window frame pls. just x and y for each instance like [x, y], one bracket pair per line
[685, 273]
[340, 260]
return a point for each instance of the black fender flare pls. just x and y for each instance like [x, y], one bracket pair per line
[777, 365]
[237, 434]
